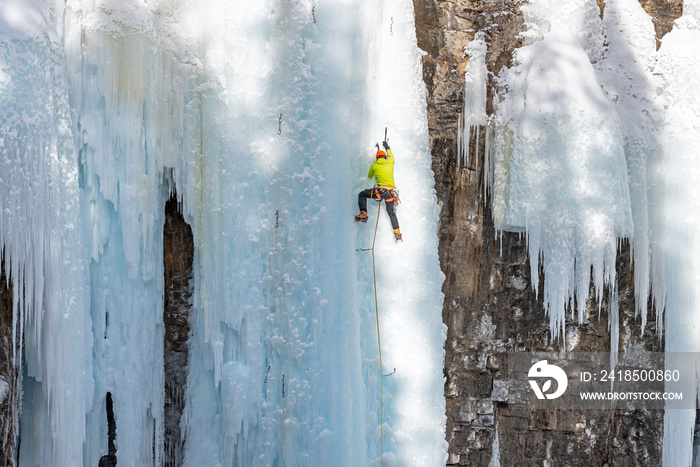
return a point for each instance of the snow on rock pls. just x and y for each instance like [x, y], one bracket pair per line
[560, 172]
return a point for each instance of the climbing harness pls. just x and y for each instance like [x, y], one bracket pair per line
[392, 190]
[280, 122]
[379, 339]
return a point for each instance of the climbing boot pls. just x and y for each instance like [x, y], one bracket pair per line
[361, 217]
[397, 235]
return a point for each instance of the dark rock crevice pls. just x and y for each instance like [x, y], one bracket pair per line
[178, 257]
[10, 405]
[663, 13]
[110, 460]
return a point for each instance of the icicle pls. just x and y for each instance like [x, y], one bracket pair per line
[495, 449]
[460, 136]
[476, 151]
[614, 327]
[488, 160]
[474, 105]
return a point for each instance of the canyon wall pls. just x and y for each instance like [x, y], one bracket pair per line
[490, 308]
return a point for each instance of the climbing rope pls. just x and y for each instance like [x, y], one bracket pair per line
[379, 342]
[379, 339]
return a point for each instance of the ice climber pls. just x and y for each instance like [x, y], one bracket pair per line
[383, 172]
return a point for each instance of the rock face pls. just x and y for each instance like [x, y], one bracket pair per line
[490, 308]
[178, 256]
[664, 13]
[9, 399]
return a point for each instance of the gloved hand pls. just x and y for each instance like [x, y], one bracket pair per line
[386, 145]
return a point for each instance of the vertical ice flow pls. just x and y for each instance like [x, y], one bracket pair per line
[626, 75]
[677, 65]
[41, 232]
[408, 275]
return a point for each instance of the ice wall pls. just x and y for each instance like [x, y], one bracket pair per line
[262, 115]
[276, 374]
[129, 99]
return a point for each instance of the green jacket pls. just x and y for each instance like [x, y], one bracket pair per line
[383, 170]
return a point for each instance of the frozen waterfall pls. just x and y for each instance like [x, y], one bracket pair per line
[246, 110]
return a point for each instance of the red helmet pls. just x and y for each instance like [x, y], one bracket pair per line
[381, 153]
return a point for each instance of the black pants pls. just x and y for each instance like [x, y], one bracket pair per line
[380, 194]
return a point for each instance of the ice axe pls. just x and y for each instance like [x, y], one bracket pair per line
[385, 140]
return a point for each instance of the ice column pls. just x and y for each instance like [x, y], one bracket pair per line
[41, 235]
[408, 275]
